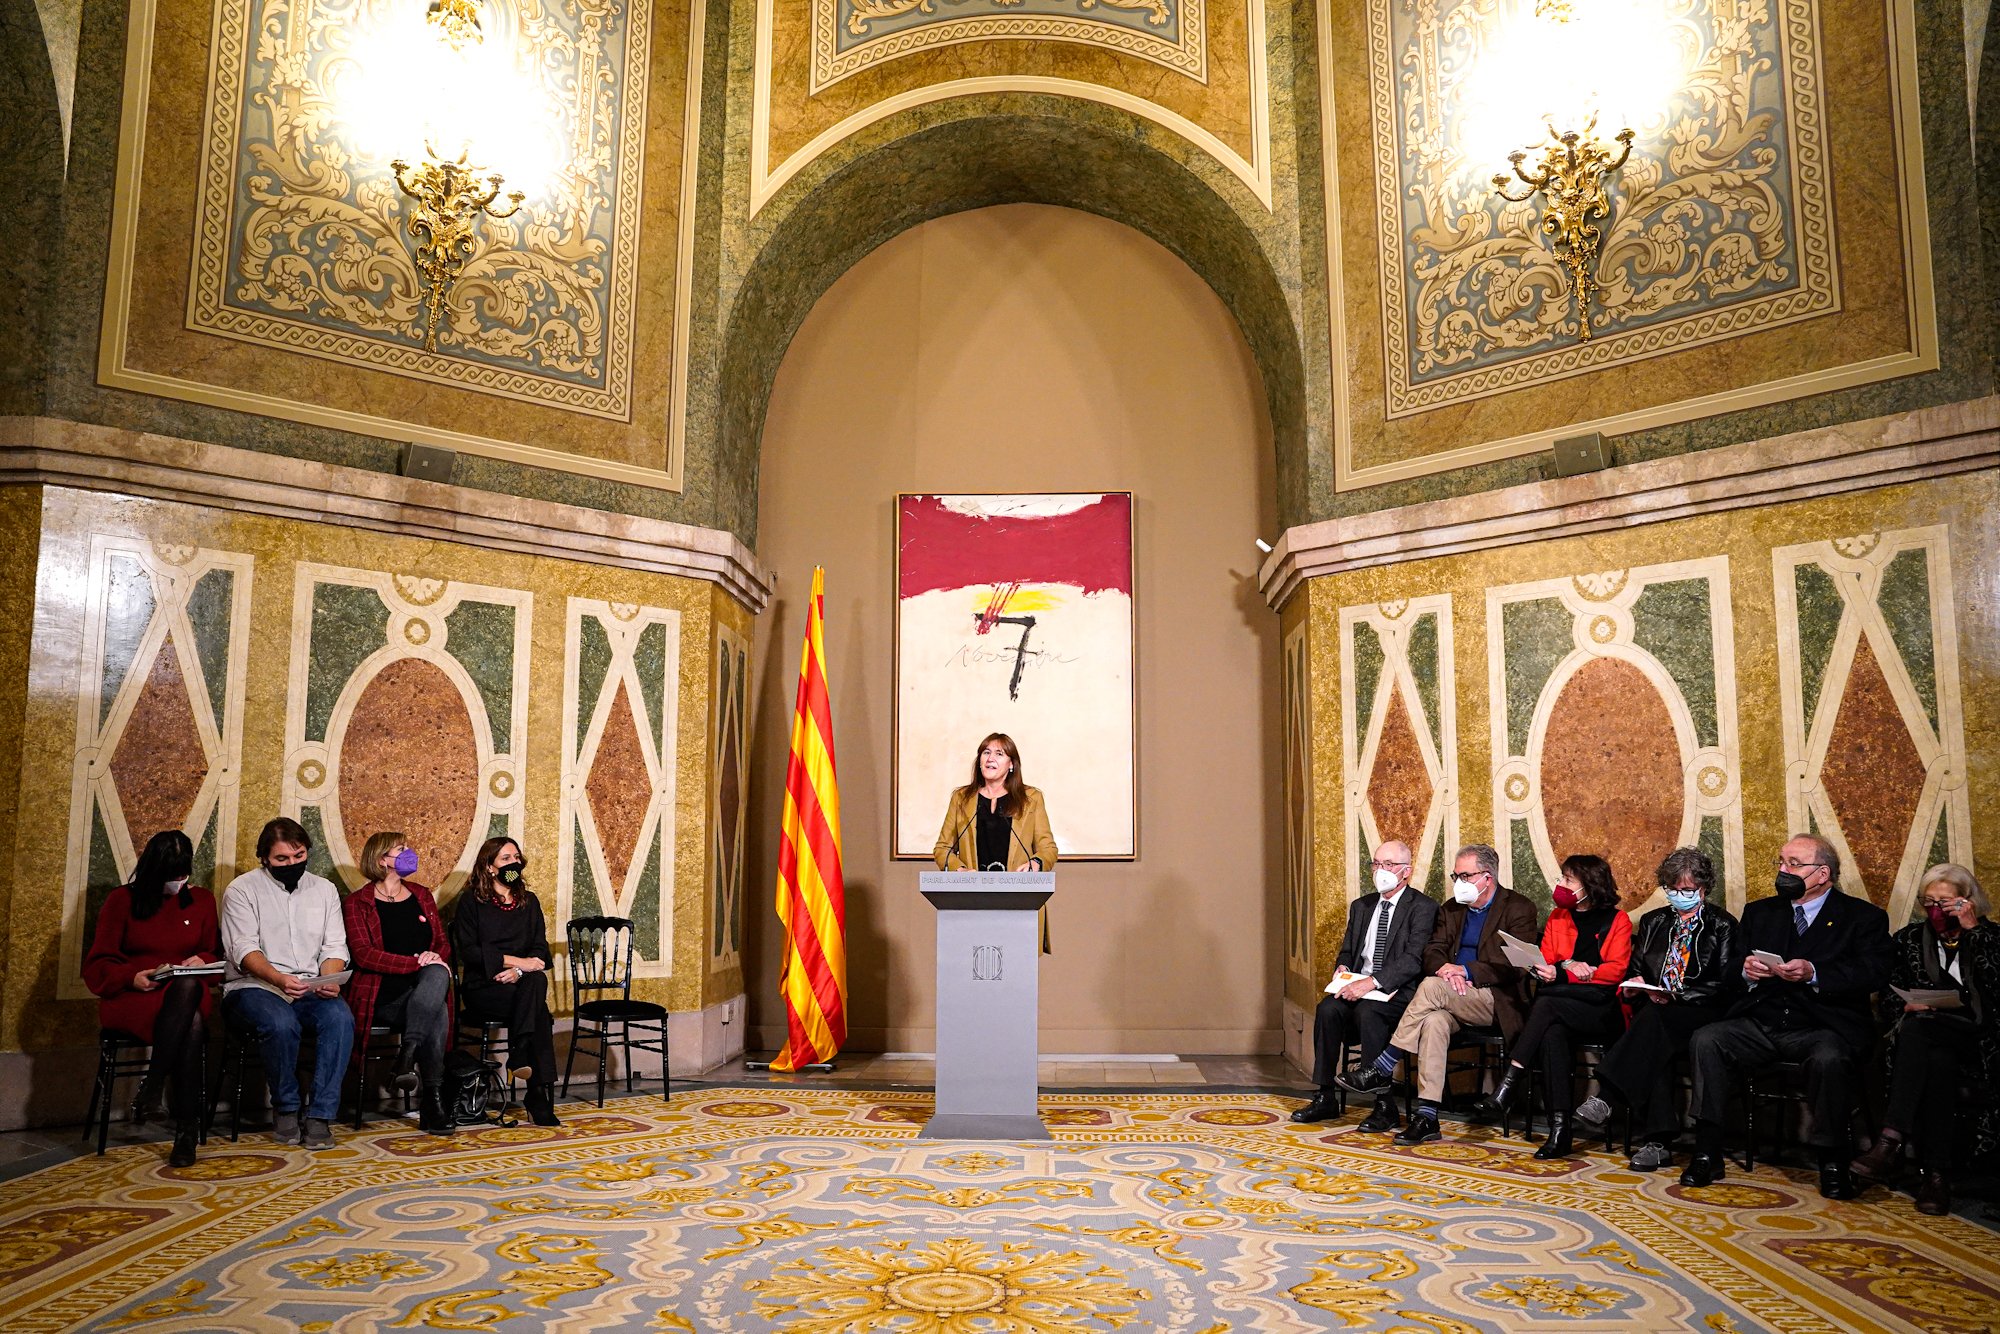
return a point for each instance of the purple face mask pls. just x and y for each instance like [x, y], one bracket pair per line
[406, 862]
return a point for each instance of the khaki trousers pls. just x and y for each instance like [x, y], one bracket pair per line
[1436, 1012]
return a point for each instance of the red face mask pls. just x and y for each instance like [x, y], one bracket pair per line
[1943, 920]
[1565, 897]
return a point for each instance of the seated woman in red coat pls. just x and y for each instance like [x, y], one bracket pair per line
[159, 919]
[1587, 949]
[402, 973]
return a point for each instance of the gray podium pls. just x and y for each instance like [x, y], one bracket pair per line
[989, 953]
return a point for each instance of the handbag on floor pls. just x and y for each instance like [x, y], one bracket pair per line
[467, 1089]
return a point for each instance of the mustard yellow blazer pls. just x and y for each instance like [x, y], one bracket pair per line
[1031, 834]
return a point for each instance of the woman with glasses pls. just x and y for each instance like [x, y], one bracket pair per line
[503, 957]
[996, 822]
[1943, 1041]
[402, 977]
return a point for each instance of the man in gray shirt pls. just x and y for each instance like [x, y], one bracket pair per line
[281, 928]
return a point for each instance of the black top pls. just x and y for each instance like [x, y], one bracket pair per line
[996, 831]
[404, 930]
[1591, 926]
[483, 932]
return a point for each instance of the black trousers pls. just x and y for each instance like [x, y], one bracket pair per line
[1831, 1067]
[179, 1038]
[1370, 1021]
[417, 1007]
[1560, 1018]
[1640, 1065]
[1932, 1057]
[524, 1007]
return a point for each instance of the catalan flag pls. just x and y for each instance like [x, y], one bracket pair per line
[812, 902]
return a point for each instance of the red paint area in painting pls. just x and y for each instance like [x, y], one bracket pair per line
[1873, 774]
[159, 763]
[1088, 548]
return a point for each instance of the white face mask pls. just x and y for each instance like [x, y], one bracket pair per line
[1464, 891]
[1385, 881]
[176, 886]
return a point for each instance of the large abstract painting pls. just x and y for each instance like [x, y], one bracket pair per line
[1014, 615]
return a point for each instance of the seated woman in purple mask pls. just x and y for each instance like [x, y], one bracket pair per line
[402, 969]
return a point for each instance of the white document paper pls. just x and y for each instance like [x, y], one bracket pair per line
[1345, 978]
[327, 980]
[1773, 959]
[1641, 984]
[167, 971]
[1936, 999]
[1520, 953]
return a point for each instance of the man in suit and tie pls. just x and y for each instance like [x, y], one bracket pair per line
[1813, 1007]
[1386, 933]
[1470, 982]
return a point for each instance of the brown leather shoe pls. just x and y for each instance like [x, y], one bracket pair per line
[1882, 1163]
[1933, 1194]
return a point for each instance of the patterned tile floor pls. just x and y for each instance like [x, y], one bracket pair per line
[814, 1210]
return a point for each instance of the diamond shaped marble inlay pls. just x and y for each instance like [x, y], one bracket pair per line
[1873, 774]
[619, 788]
[158, 764]
[1399, 787]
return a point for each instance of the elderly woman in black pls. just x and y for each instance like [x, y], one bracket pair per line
[1689, 955]
[502, 941]
[1953, 951]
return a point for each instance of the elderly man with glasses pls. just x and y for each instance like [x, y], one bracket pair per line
[1816, 956]
[1377, 971]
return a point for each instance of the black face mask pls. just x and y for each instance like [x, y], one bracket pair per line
[509, 876]
[288, 876]
[1791, 888]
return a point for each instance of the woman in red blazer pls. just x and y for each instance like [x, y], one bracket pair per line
[159, 919]
[1587, 949]
[402, 974]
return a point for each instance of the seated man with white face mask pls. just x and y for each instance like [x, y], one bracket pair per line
[1384, 954]
[1470, 982]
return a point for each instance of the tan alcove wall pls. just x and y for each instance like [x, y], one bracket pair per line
[1029, 348]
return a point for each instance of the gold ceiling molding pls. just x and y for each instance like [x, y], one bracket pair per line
[1854, 456]
[1370, 399]
[767, 179]
[650, 429]
[47, 451]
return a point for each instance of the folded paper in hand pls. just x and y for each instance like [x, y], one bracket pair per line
[1344, 978]
[167, 971]
[1520, 953]
[1939, 999]
[340, 979]
[1641, 984]
[1773, 959]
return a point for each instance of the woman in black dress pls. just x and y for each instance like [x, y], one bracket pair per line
[502, 941]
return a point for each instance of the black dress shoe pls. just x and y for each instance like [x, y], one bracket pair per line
[431, 1115]
[185, 1137]
[1367, 1081]
[1324, 1107]
[1382, 1120]
[1422, 1129]
[541, 1105]
[1704, 1169]
[1493, 1106]
[1836, 1181]
[1933, 1195]
[1557, 1145]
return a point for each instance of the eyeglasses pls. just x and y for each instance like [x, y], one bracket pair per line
[1389, 866]
[1787, 864]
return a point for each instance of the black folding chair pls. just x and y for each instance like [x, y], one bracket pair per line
[600, 965]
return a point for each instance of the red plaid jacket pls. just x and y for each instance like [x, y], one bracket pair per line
[371, 962]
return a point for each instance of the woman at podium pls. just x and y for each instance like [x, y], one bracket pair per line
[996, 822]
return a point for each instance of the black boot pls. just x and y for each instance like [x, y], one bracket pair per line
[1494, 1105]
[1557, 1145]
[431, 1113]
[186, 1135]
[146, 1102]
[542, 1104]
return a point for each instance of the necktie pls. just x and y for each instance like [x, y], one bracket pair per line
[1799, 920]
[1381, 941]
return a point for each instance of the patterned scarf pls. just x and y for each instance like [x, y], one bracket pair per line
[1679, 945]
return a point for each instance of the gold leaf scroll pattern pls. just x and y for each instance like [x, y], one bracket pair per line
[141, 645]
[305, 247]
[1598, 626]
[1721, 220]
[616, 846]
[1397, 757]
[1298, 784]
[852, 35]
[417, 626]
[860, 13]
[1858, 584]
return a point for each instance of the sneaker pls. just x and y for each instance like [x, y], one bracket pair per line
[1651, 1158]
[1593, 1113]
[319, 1135]
[285, 1127]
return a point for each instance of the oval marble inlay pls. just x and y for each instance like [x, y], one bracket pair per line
[409, 761]
[1612, 774]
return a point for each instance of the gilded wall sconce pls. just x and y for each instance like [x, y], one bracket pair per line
[1571, 177]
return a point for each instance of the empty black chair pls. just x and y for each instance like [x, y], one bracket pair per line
[600, 978]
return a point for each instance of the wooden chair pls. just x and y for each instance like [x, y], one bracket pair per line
[600, 965]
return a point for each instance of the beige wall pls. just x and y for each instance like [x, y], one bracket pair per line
[1029, 348]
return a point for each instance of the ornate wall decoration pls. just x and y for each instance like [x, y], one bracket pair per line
[302, 241]
[1614, 724]
[407, 708]
[1873, 722]
[621, 707]
[159, 720]
[1721, 221]
[851, 35]
[1399, 737]
[729, 798]
[1297, 685]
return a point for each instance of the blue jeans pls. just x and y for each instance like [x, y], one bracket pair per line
[278, 1025]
